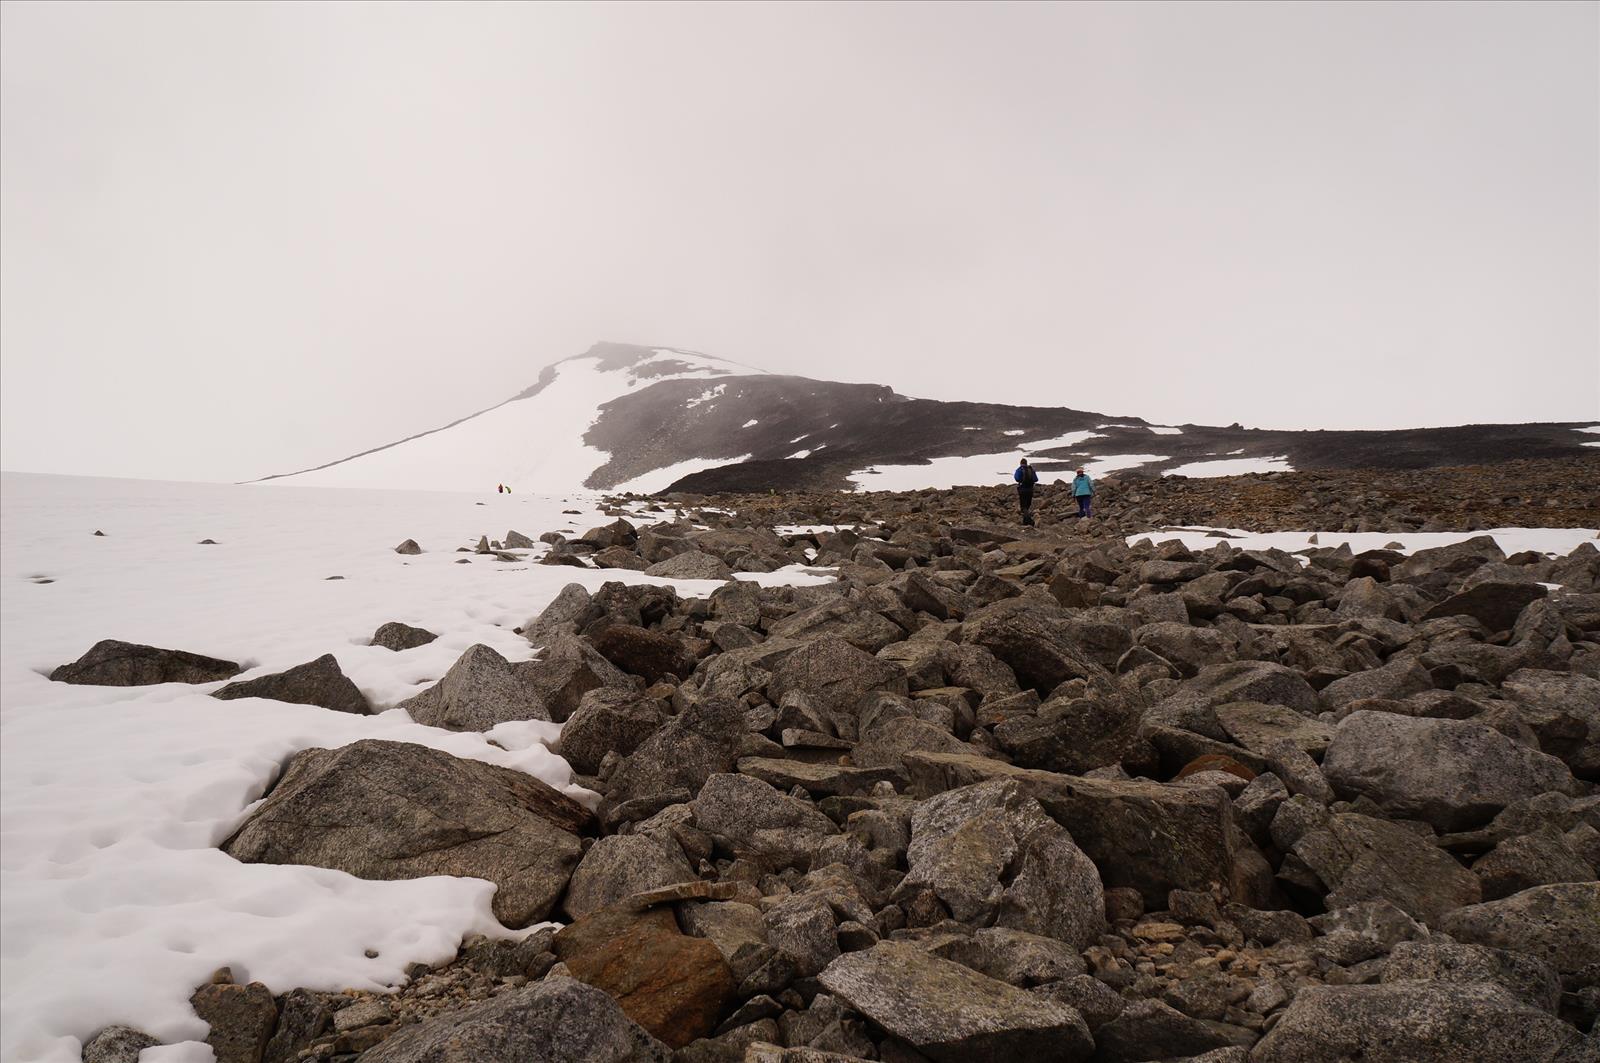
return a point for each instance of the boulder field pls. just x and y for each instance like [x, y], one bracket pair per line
[994, 794]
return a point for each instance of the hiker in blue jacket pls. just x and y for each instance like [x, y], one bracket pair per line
[1026, 478]
[1083, 491]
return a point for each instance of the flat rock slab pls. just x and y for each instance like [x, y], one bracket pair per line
[126, 664]
[1454, 774]
[394, 810]
[1256, 727]
[1415, 1022]
[318, 682]
[822, 780]
[952, 1014]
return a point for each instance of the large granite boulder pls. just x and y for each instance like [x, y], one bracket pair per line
[394, 810]
[1415, 1022]
[843, 619]
[1150, 836]
[556, 1020]
[1454, 774]
[318, 682]
[952, 1014]
[619, 866]
[479, 691]
[1559, 924]
[683, 753]
[607, 719]
[1358, 858]
[994, 858]
[568, 669]
[126, 664]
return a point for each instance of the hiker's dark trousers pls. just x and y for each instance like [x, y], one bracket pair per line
[1025, 498]
[1083, 505]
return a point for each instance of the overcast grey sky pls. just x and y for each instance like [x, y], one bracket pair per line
[244, 238]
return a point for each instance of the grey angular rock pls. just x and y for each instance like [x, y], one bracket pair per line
[318, 682]
[862, 628]
[566, 614]
[567, 669]
[1038, 648]
[691, 564]
[952, 1014]
[395, 810]
[1527, 860]
[408, 547]
[619, 866]
[117, 1044]
[1455, 774]
[1149, 1029]
[683, 753]
[556, 1020]
[607, 720]
[1255, 726]
[1398, 679]
[1493, 603]
[739, 808]
[1150, 836]
[1527, 978]
[802, 927]
[1556, 923]
[1359, 858]
[1192, 706]
[993, 856]
[126, 664]
[397, 636]
[479, 691]
[834, 676]
[1414, 1022]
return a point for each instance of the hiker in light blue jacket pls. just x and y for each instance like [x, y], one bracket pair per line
[1083, 491]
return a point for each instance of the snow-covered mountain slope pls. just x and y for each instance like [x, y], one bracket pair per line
[535, 441]
[646, 419]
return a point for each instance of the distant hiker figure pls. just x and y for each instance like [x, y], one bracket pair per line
[1026, 478]
[1083, 491]
[499, 489]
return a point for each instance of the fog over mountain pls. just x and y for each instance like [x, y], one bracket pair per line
[650, 419]
[241, 238]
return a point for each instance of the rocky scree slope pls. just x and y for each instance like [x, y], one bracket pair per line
[996, 793]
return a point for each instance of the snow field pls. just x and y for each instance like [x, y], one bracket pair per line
[1232, 467]
[114, 901]
[533, 445]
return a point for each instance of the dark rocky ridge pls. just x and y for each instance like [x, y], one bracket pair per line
[849, 427]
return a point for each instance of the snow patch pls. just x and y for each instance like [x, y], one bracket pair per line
[662, 478]
[114, 900]
[751, 423]
[1114, 462]
[706, 396]
[1232, 467]
[1165, 430]
[800, 454]
[1015, 432]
